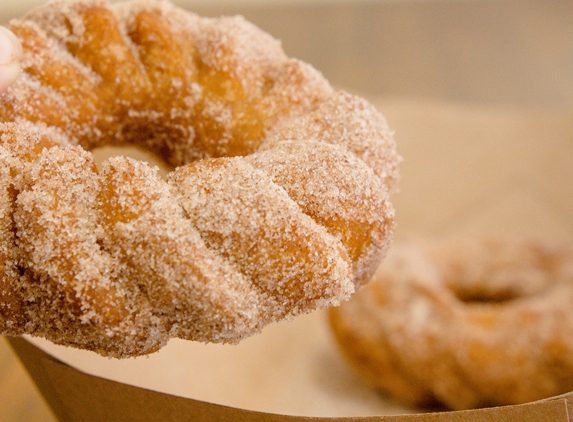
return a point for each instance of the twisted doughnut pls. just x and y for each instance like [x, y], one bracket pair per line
[464, 324]
[264, 216]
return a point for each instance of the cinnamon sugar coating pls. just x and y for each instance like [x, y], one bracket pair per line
[464, 324]
[265, 215]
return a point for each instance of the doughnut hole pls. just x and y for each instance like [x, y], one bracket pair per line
[498, 286]
[135, 152]
[478, 295]
[498, 271]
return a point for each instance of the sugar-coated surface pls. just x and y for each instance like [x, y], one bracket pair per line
[278, 204]
[465, 324]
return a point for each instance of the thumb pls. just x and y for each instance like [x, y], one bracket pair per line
[10, 53]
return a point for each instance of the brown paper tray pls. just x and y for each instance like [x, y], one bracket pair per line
[74, 395]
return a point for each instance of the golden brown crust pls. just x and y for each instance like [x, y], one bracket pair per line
[464, 324]
[251, 227]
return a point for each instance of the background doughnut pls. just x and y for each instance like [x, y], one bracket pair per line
[465, 324]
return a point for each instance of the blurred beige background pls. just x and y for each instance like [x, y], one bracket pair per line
[502, 51]
[479, 92]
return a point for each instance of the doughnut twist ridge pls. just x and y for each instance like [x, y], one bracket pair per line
[277, 204]
[464, 324]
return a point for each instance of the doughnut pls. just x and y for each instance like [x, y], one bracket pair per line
[276, 201]
[464, 323]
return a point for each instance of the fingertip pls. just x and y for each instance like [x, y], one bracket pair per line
[10, 54]
[10, 46]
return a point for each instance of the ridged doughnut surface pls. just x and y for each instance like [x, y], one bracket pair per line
[465, 324]
[277, 204]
